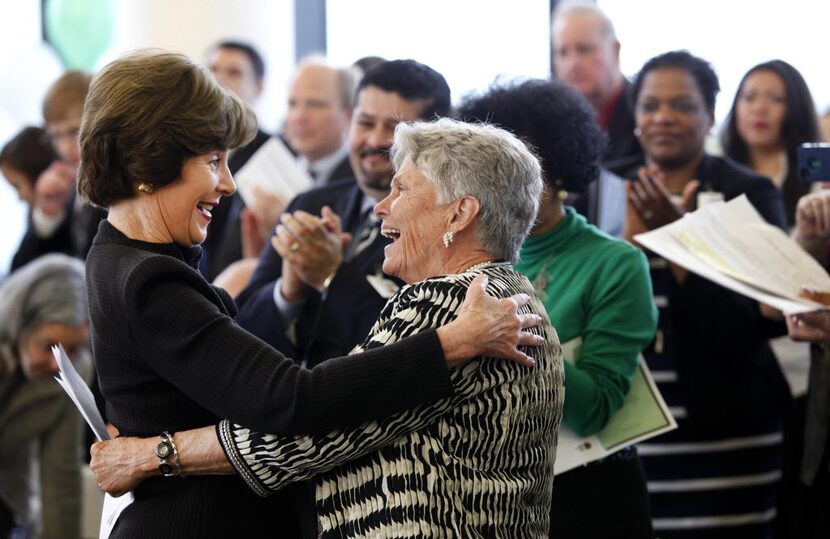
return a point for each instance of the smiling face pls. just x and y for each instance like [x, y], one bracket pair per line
[183, 207]
[373, 127]
[672, 117]
[36, 356]
[415, 221]
[761, 109]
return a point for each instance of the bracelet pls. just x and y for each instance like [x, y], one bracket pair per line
[164, 450]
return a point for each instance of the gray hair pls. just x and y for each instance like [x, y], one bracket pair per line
[48, 289]
[483, 161]
[588, 7]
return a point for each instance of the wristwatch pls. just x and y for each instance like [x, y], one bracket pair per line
[166, 452]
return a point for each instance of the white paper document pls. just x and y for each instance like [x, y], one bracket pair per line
[272, 170]
[643, 415]
[79, 392]
[730, 244]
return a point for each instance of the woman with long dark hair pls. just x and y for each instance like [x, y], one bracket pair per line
[771, 115]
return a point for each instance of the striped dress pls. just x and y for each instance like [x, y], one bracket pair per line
[478, 464]
[717, 475]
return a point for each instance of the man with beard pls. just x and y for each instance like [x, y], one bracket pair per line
[323, 299]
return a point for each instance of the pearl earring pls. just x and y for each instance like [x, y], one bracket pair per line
[638, 132]
[447, 238]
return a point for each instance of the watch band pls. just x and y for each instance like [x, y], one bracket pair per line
[168, 455]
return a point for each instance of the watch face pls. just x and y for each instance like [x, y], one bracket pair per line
[163, 450]
[165, 468]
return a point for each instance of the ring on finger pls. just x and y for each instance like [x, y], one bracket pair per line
[647, 214]
[295, 247]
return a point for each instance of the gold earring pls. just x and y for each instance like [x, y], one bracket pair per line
[447, 238]
[145, 187]
[562, 195]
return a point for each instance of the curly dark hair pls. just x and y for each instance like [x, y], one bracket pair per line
[800, 125]
[554, 119]
[413, 81]
[705, 77]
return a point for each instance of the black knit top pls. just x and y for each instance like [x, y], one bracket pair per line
[170, 357]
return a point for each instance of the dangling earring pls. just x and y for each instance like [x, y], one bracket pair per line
[447, 238]
[145, 187]
[638, 132]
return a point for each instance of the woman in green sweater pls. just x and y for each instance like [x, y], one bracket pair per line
[597, 292]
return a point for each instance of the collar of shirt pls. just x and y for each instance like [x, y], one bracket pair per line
[324, 167]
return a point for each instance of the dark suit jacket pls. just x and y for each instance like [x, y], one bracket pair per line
[327, 326]
[223, 245]
[73, 237]
[623, 149]
[622, 153]
[342, 171]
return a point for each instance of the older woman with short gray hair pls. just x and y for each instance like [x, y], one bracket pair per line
[43, 303]
[487, 166]
[479, 463]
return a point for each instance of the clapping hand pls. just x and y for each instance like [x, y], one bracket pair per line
[311, 249]
[651, 203]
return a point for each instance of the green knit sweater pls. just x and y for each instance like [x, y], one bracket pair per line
[597, 289]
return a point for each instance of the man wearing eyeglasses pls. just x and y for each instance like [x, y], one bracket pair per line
[60, 222]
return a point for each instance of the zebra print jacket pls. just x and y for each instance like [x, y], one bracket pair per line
[477, 464]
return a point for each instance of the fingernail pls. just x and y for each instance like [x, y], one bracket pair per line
[531, 362]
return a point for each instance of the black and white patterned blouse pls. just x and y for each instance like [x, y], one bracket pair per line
[479, 463]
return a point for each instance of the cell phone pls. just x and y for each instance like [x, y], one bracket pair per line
[814, 162]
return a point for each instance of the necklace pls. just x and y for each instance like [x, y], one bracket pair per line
[478, 266]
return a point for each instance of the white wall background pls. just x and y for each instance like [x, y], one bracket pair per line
[470, 42]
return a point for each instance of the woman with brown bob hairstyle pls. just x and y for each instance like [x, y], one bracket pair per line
[154, 144]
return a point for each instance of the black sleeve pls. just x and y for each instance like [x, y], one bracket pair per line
[193, 345]
[32, 246]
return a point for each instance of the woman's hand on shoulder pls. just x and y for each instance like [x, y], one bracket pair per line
[487, 326]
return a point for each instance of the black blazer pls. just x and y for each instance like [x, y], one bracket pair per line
[330, 326]
[726, 370]
[73, 237]
[342, 171]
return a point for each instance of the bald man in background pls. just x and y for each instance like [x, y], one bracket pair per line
[586, 56]
[318, 118]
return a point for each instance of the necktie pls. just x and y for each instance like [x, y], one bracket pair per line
[366, 233]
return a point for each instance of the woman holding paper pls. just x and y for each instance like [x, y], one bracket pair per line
[154, 143]
[597, 292]
[43, 303]
[717, 474]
